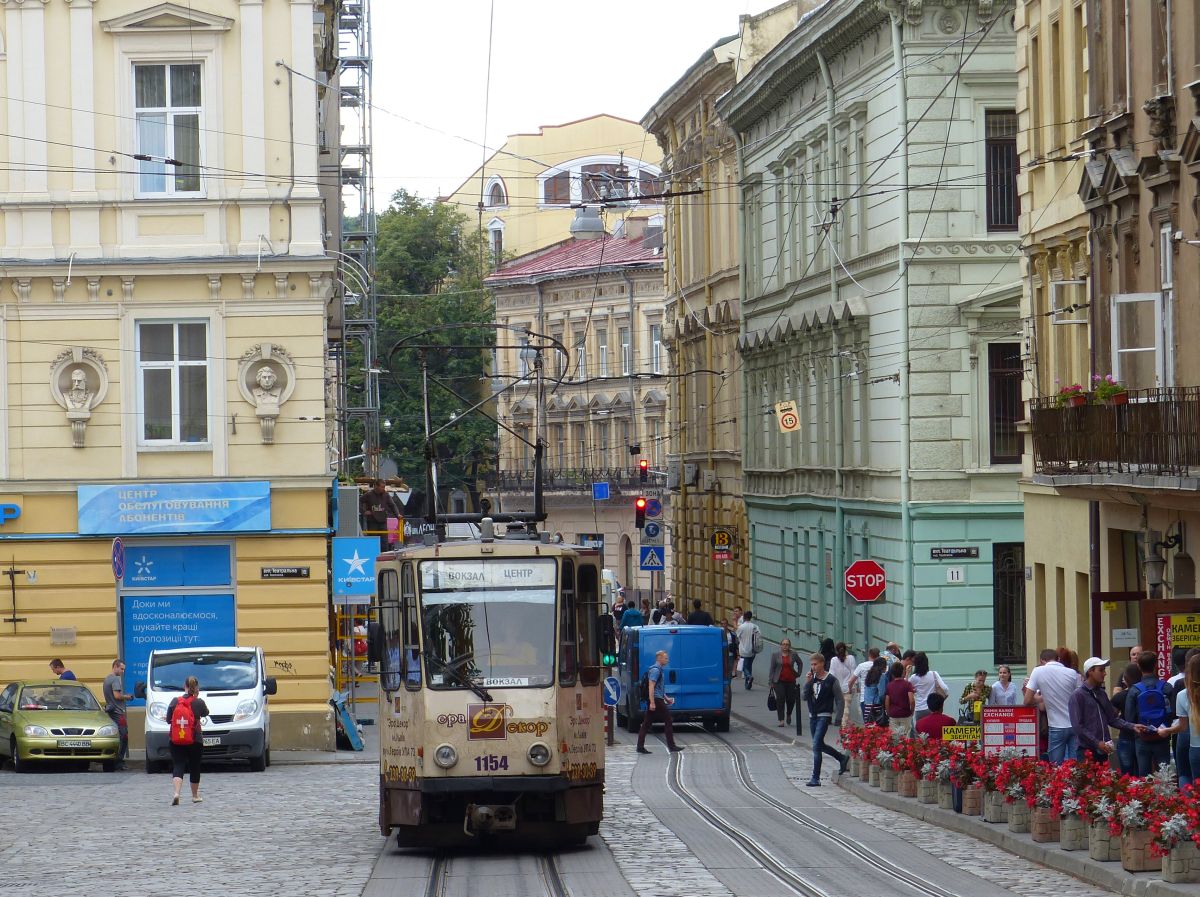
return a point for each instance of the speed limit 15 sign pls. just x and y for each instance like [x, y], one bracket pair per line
[787, 416]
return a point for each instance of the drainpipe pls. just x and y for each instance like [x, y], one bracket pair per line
[839, 448]
[905, 398]
[1093, 505]
[739, 145]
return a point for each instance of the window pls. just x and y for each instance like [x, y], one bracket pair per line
[560, 360]
[560, 446]
[172, 359]
[581, 368]
[167, 107]
[1000, 149]
[581, 460]
[496, 241]
[649, 184]
[656, 348]
[626, 351]
[411, 636]
[495, 195]
[557, 189]
[602, 445]
[1004, 402]
[603, 182]
[1008, 602]
[602, 348]
[1137, 339]
[522, 357]
[390, 623]
[567, 650]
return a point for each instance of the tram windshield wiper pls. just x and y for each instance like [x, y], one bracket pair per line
[461, 677]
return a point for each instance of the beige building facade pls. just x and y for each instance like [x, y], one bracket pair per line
[163, 362]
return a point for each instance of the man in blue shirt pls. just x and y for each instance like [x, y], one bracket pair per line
[658, 704]
[59, 669]
[632, 616]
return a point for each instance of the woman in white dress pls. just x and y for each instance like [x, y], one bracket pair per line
[842, 666]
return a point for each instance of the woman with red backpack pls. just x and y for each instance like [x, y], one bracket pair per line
[187, 745]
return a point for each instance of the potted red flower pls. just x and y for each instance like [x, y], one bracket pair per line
[1065, 790]
[1071, 396]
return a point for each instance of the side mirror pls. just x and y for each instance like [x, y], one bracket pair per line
[374, 642]
[139, 691]
[270, 685]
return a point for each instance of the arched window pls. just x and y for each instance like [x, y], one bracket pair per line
[495, 196]
[599, 179]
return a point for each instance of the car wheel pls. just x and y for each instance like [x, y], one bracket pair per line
[267, 756]
[259, 763]
[723, 723]
[19, 765]
[111, 765]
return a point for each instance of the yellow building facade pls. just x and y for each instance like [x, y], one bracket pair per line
[163, 354]
[548, 171]
[1052, 106]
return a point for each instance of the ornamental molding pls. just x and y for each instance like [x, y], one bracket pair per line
[78, 383]
[266, 380]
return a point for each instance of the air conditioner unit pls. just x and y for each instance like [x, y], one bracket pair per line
[691, 472]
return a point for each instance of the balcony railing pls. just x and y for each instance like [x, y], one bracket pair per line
[1156, 433]
[577, 479]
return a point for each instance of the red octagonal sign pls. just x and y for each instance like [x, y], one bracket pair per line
[865, 581]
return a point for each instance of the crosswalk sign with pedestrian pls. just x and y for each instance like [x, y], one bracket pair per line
[651, 558]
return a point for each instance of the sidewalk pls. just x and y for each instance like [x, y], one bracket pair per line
[750, 708]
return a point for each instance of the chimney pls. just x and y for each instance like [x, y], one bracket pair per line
[587, 224]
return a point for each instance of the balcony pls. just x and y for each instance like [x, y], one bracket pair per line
[1152, 442]
[619, 479]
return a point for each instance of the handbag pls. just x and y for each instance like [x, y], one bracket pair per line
[772, 701]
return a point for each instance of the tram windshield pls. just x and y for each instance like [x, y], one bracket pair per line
[489, 621]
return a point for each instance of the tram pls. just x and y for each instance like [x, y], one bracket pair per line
[490, 715]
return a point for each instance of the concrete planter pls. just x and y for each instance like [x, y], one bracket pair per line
[1073, 833]
[1019, 817]
[945, 795]
[906, 784]
[994, 807]
[1135, 851]
[1045, 825]
[972, 801]
[1102, 845]
[873, 775]
[856, 766]
[887, 780]
[927, 791]
[1182, 864]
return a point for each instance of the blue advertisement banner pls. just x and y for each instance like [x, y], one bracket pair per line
[149, 508]
[354, 565]
[151, 622]
[159, 566]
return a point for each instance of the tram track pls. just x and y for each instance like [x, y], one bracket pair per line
[438, 882]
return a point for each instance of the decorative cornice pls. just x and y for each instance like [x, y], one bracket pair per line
[20, 4]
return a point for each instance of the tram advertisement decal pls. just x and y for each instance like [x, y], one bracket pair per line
[486, 721]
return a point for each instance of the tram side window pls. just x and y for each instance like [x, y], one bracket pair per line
[389, 620]
[567, 653]
[587, 602]
[411, 634]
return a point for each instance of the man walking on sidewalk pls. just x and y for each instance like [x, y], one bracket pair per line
[659, 705]
[750, 644]
[824, 695]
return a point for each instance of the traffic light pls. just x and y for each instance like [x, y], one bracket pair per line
[608, 660]
[643, 468]
[639, 511]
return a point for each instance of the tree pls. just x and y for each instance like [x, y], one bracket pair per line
[430, 264]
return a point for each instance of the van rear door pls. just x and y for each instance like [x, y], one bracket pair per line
[696, 668]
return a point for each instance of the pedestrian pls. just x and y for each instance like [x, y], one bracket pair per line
[59, 669]
[699, 616]
[908, 658]
[114, 705]
[750, 645]
[1004, 691]
[1069, 659]
[1093, 715]
[676, 616]
[858, 677]
[891, 653]
[375, 506]
[1182, 726]
[1135, 652]
[873, 688]
[658, 704]
[935, 720]
[828, 651]
[975, 695]
[926, 682]
[1183, 734]
[782, 679]
[645, 609]
[632, 616]
[187, 741]
[1126, 753]
[899, 701]
[1146, 703]
[1050, 687]
[842, 666]
[824, 696]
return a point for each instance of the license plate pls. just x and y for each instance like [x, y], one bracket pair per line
[212, 741]
[74, 742]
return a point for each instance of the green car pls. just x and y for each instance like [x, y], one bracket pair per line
[55, 719]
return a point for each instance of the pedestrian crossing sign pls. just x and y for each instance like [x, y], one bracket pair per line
[651, 558]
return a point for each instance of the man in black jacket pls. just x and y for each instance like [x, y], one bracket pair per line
[699, 616]
[375, 506]
[823, 694]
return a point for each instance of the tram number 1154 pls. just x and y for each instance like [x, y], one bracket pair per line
[490, 763]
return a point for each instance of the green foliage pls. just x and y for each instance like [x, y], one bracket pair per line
[430, 248]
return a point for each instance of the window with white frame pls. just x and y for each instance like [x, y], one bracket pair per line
[172, 361]
[626, 351]
[167, 106]
[581, 365]
[1137, 339]
[602, 350]
[656, 348]
[1166, 279]
[522, 357]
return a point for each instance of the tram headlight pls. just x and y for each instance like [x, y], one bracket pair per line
[539, 754]
[445, 756]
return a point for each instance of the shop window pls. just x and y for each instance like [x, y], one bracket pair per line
[1008, 602]
[167, 106]
[172, 360]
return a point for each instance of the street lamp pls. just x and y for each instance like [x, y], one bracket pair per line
[1155, 562]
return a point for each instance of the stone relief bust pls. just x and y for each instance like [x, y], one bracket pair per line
[266, 378]
[78, 383]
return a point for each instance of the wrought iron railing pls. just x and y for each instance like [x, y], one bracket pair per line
[581, 479]
[1153, 432]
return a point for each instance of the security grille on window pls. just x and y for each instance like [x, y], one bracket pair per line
[167, 106]
[1000, 154]
[1008, 602]
[172, 360]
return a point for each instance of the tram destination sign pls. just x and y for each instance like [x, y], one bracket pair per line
[953, 552]
[488, 573]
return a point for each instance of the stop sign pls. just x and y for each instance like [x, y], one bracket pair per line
[865, 581]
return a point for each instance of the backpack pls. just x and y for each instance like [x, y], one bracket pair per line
[1151, 703]
[757, 642]
[183, 723]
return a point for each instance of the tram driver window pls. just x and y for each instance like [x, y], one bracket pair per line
[411, 634]
[389, 619]
[568, 655]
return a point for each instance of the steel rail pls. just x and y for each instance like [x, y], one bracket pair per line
[547, 870]
[859, 851]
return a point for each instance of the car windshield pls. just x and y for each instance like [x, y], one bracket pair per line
[489, 621]
[224, 671]
[57, 697]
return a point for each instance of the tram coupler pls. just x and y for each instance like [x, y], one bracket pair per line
[484, 818]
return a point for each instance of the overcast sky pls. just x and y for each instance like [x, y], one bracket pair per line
[552, 62]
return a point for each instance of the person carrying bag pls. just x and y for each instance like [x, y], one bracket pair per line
[785, 672]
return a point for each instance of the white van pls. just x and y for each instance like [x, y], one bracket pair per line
[234, 686]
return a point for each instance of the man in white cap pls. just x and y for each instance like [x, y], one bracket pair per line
[1092, 714]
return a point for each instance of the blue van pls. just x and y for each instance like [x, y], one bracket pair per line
[698, 673]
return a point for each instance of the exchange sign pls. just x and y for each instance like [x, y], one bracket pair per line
[865, 581]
